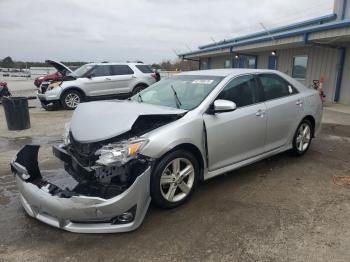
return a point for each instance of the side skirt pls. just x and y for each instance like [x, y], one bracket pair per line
[217, 172]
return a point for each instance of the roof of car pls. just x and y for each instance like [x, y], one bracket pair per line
[226, 72]
[117, 63]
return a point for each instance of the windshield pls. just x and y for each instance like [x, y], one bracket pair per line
[80, 72]
[181, 91]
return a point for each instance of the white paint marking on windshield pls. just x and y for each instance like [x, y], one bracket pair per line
[203, 81]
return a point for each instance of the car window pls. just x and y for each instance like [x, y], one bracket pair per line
[101, 70]
[121, 70]
[274, 86]
[144, 69]
[241, 90]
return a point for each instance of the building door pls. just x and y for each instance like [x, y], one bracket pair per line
[272, 63]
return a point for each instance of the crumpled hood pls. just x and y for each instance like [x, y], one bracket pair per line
[98, 121]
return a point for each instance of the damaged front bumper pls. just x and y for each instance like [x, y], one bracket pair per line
[63, 208]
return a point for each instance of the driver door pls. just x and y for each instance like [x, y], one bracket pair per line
[100, 82]
[238, 135]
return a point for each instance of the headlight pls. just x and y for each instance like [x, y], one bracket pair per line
[119, 153]
[66, 139]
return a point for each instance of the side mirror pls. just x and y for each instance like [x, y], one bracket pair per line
[91, 75]
[221, 106]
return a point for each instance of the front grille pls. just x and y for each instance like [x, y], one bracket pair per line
[43, 87]
[83, 152]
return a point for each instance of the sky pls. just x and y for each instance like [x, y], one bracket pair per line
[146, 30]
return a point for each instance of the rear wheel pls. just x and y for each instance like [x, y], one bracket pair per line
[138, 89]
[302, 138]
[71, 99]
[174, 179]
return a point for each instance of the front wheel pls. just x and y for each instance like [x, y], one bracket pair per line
[174, 179]
[71, 99]
[302, 138]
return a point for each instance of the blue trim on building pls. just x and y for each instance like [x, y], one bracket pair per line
[314, 21]
[272, 62]
[339, 74]
[343, 13]
[299, 32]
[306, 38]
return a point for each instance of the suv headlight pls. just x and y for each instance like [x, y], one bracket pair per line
[65, 136]
[117, 154]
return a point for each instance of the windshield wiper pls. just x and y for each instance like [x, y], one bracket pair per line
[177, 100]
[139, 98]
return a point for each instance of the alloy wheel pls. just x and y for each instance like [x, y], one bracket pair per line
[72, 100]
[303, 137]
[177, 180]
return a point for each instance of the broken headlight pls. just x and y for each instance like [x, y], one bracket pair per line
[117, 154]
[65, 136]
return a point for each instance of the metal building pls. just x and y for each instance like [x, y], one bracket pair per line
[307, 50]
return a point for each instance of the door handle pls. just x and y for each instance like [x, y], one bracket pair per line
[299, 103]
[108, 78]
[260, 113]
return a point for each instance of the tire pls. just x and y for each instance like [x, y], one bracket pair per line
[71, 99]
[138, 89]
[169, 190]
[302, 138]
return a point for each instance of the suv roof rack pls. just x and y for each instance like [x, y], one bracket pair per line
[137, 62]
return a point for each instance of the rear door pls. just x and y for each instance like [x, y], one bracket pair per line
[284, 108]
[238, 135]
[122, 79]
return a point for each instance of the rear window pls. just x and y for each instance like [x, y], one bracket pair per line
[144, 69]
[121, 70]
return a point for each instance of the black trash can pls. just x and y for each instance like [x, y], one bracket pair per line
[16, 112]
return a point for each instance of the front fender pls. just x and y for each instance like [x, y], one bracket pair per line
[182, 131]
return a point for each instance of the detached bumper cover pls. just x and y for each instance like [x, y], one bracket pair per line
[77, 213]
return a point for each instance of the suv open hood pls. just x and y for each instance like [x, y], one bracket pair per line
[102, 120]
[64, 70]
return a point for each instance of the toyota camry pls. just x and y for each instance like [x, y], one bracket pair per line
[157, 146]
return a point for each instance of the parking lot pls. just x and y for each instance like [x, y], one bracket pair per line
[279, 209]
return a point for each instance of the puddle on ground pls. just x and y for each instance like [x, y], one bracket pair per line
[7, 144]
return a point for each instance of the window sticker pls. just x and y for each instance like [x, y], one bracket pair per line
[203, 81]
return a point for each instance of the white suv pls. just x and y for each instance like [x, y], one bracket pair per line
[95, 81]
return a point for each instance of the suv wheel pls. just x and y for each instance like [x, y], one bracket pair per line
[174, 179]
[138, 89]
[71, 99]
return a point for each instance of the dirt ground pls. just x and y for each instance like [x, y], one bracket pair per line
[279, 209]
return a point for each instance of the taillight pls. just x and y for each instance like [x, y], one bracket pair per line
[154, 76]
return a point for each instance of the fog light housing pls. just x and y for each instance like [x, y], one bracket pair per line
[126, 217]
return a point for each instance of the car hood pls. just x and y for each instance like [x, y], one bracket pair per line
[102, 120]
[59, 67]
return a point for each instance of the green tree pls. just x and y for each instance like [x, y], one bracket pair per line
[7, 62]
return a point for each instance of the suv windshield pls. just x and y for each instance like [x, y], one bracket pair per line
[181, 91]
[79, 72]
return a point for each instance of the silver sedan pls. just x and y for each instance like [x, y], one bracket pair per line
[159, 144]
